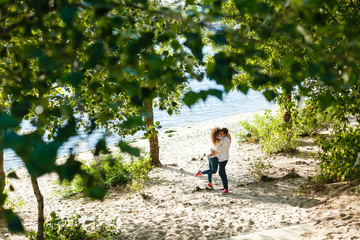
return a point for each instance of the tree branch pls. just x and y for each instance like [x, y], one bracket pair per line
[329, 13]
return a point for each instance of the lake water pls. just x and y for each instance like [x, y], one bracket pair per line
[233, 103]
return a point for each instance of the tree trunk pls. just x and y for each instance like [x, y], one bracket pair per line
[153, 140]
[287, 114]
[2, 173]
[40, 200]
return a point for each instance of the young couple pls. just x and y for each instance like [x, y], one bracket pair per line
[219, 155]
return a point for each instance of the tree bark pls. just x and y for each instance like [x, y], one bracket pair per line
[153, 140]
[287, 114]
[40, 200]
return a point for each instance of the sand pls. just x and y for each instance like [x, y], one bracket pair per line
[176, 205]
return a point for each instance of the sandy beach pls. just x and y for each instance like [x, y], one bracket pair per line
[176, 205]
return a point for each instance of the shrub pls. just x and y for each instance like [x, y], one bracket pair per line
[111, 171]
[249, 133]
[271, 132]
[339, 158]
[312, 119]
[59, 229]
[258, 168]
[139, 170]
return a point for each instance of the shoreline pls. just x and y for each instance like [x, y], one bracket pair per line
[136, 138]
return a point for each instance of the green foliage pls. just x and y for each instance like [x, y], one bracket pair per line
[271, 132]
[302, 189]
[258, 168]
[311, 119]
[58, 229]
[339, 158]
[12, 203]
[249, 133]
[139, 170]
[111, 172]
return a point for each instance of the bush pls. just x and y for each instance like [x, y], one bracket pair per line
[139, 170]
[60, 229]
[339, 158]
[111, 172]
[312, 119]
[258, 168]
[271, 132]
[249, 133]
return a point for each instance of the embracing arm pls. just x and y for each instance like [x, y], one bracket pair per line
[224, 146]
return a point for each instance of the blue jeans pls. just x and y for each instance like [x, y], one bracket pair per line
[213, 166]
[222, 173]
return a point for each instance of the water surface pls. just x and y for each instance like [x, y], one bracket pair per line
[232, 103]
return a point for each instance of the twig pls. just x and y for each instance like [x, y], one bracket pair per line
[329, 13]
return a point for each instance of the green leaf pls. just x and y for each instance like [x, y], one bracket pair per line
[269, 95]
[143, 42]
[117, 21]
[96, 54]
[127, 148]
[244, 88]
[190, 98]
[12, 175]
[7, 121]
[219, 38]
[66, 132]
[74, 78]
[101, 10]
[221, 70]
[215, 92]
[101, 147]
[21, 108]
[16, 142]
[12, 220]
[69, 169]
[194, 42]
[132, 122]
[42, 158]
[68, 14]
[296, 67]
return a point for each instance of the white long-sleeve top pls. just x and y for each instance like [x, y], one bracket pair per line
[222, 148]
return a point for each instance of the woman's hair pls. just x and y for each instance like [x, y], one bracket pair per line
[226, 133]
[213, 134]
